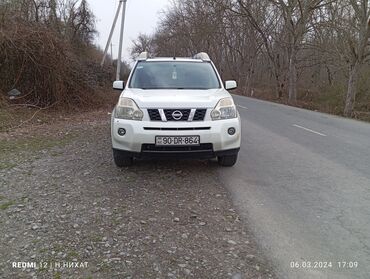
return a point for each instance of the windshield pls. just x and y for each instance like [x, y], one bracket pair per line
[174, 75]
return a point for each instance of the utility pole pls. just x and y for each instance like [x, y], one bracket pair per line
[122, 4]
[119, 60]
[111, 52]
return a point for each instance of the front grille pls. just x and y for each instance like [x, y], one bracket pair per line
[154, 115]
[204, 147]
[199, 115]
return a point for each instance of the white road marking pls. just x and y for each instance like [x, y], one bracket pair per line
[309, 130]
[241, 107]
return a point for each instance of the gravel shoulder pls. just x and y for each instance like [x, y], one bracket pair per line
[62, 200]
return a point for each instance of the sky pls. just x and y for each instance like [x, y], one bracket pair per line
[142, 16]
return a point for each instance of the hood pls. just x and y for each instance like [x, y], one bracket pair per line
[169, 98]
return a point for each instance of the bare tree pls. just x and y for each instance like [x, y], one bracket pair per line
[305, 46]
[297, 15]
[358, 51]
[143, 43]
[268, 26]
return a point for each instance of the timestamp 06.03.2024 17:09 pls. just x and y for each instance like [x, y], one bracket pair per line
[324, 264]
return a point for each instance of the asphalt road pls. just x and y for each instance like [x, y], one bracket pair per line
[302, 183]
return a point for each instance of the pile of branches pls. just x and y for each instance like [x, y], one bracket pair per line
[48, 70]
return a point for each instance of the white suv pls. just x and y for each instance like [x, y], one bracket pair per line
[175, 107]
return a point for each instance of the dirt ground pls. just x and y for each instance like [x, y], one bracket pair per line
[65, 207]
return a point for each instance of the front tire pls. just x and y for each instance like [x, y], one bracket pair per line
[121, 159]
[227, 160]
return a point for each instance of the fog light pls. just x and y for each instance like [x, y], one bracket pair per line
[231, 131]
[121, 132]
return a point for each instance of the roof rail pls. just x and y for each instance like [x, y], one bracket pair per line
[143, 56]
[203, 56]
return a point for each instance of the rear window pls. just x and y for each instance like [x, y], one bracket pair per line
[174, 75]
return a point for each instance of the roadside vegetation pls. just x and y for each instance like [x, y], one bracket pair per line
[48, 60]
[312, 53]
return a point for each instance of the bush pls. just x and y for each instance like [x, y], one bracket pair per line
[46, 69]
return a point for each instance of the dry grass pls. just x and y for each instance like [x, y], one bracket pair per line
[14, 117]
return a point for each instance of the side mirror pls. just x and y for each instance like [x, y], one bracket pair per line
[230, 84]
[119, 85]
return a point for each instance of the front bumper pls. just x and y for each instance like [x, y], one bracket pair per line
[139, 139]
[204, 154]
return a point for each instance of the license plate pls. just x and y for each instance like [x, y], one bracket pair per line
[177, 140]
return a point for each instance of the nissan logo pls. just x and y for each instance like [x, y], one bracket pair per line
[177, 115]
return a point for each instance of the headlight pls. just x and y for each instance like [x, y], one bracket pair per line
[225, 109]
[128, 109]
